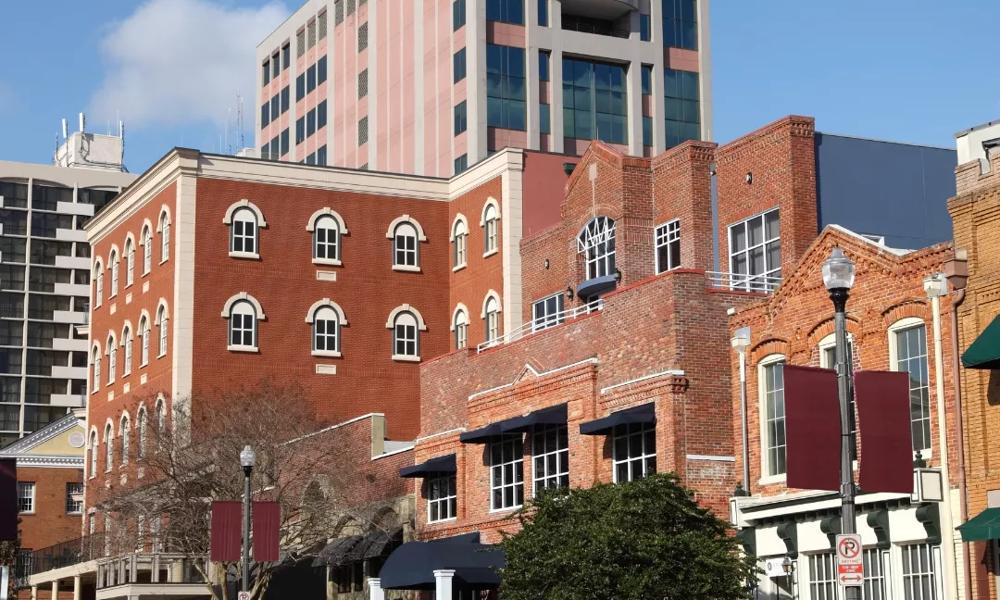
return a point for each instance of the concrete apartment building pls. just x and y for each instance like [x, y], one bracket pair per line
[45, 277]
[431, 87]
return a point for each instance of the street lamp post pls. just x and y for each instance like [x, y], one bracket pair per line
[838, 277]
[247, 460]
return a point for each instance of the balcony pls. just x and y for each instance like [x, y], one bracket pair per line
[72, 289]
[62, 372]
[69, 344]
[73, 262]
[71, 235]
[600, 9]
[151, 574]
[739, 282]
[69, 400]
[75, 208]
[69, 316]
[536, 325]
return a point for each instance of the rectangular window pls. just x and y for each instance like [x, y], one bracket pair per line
[828, 360]
[275, 106]
[275, 148]
[266, 72]
[321, 20]
[647, 131]
[321, 115]
[311, 159]
[264, 153]
[321, 70]
[300, 130]
[310, 79]
[550, 455]
[460, 118]
[441, 498]
[645, 28]
[507, 472]
[680, 24]
[544, 119]
[363, 83]
[350, 7]
[505, 92]
[505, 11]
[543, 13]
[457, 14]
[683, 106]
[26, 496]
[311, 33]
[647, 79]
[823, 576]
[338, 12]
[362, 36]
[755, 252]
[874, 583]
[285, 99]
[547, 312]
[275, 65]
[300, 87]
[265, 114]
[919, 576]
[461, 163]
[634, 451]
[911, 357]
[773, 418]
[286, 56]
[321, 156]
[300, 43]
[363, 131]
[458, 66]
[311, 122]
[668, 246]
[544, 59]
[406, 335]
[594, 101]
[74, 498]
[284, 143]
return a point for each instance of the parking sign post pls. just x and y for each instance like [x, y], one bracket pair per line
[850, 560]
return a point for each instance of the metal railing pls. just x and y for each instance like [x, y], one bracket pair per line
[57, 556]
[541, 324]
[151, 568]
[741, 282]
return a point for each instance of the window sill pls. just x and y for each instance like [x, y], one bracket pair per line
[250, 349]
[247, 255]
[490, 253]
[405, 358]
[509, 509]
[327, 353]
[163, 260]
[161, 355]
[457, 268]
[333, 262]
[406, 268]
[772, 479]
[26, 512]
[442, 521]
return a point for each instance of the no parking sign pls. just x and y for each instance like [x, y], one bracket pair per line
[850, 562]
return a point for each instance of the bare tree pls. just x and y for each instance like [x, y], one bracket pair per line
[194, 460]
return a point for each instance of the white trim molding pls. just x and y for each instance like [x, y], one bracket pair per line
[244, 203]
[391, 232]
[459, 308]
[326, 211]
[328, 303]
[391, 321]
[228, 306]
[490, 294]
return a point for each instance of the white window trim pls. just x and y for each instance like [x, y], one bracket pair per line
[444, 499]
[146, 226]
[765, 479]
[741, 279]
[535, 456]
[391, 232]
[405, 358]
[143, 318]
[112, 365]
[407, 268]
[490, 294]
[514, 507]
[226, 313]
[261, 224]
[390, 324]
[128, 255]
[98, 276]
[113, 259]
[341, 323]
[615, 460]
[34, 498]
[550, 320]
[460, 218]
[906, 323]
[341, 232]
[128, 355]
[93, 443]
[491, 201]
[164, 212]
[94, 379]
[656, 246]
[162, 309]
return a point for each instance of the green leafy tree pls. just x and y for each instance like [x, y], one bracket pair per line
[647, 539]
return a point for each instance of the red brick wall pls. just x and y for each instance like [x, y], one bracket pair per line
[682, 190]
[49, 524]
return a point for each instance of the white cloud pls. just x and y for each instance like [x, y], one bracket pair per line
[176, 62]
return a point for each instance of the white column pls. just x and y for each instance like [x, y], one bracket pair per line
[442, 583]
[55, 589]
[375, 591]
[77, 591]
[34, 592]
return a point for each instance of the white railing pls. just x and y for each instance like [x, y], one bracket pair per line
[542, 323]
[742, 282]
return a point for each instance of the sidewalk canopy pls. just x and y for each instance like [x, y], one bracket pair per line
[553, 415]
[640, 414]
[412, 565]
[984, 353]
[982, 527]
[439, 465]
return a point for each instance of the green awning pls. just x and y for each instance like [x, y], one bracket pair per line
[985, 526]
[984, 353]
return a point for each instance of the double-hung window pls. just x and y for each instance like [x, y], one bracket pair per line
[405, 343]
[491, 231]
[550, 457]
[243, 325]
[405, 246]
[161, 322]
[74, 498]
[26, 496]
[492, 318]
[597, 243]
[668, 246]
[460, 239]
[772, 390]
[441, 498]
[326, 330]
[547, 312]
[164, 237]
[823, 576]
[326, 239]
[919, 573]
[909, 344]
[634, 451]
[461, 328]
[506, 472]
[147, 250]
[755, 252]
[243, 233]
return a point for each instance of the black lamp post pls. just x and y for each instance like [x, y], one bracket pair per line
[838, 277]
[247, 460]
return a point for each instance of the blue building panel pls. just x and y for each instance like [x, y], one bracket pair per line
[898, 191]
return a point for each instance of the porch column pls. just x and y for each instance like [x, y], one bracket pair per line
[442, 583]
[55, 590]
[34, 592]
[375, 591]
[77, 591]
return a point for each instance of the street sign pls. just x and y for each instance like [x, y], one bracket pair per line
[850, 562]
[243, 596]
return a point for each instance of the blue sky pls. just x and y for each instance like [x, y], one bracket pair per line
[914, 71]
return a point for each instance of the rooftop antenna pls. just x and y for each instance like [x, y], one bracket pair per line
[83, 123]
[65, 130]
[239, 118]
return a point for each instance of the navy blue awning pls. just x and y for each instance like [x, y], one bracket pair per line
[640, 414]
[553, 415]
[436, 466]
[412, 565]
[596, 286]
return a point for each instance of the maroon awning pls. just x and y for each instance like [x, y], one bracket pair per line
[812, 428]
[884, 423]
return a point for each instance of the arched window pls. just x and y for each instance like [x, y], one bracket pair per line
[112, 351]
[243, 325]
[405, 246]
[109, 447]
[144, 335]
[98, 283]
[147, 249]
[140, 426]
[93, 453]
[123, 432]
[161, 422]
[95, 360]
[491, 233]
[129, 261]
[491, 317]
[161, 322]
[326, 330]
[164, 236]
[113, 265]
[326, 239]
[460, 325]
[127, 345]
[597, 243]
[243, 236]
[405, 340]
[460, 241]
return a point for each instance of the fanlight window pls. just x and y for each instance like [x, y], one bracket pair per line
[597, 243]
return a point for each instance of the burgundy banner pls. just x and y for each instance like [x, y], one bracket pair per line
[227, 530]
[883, 399]
[812, 428]
[8, 499]
[266, 531]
